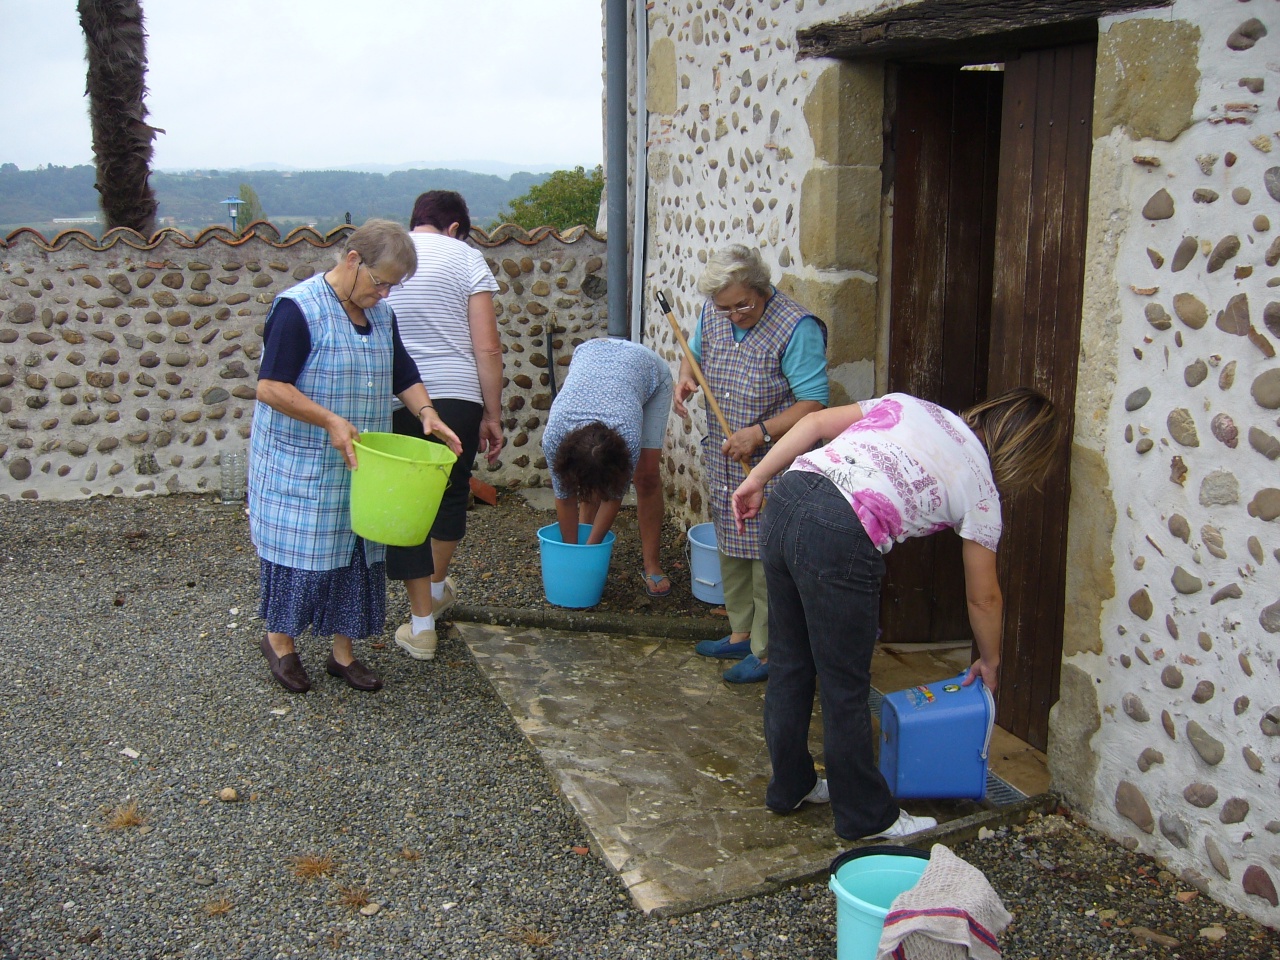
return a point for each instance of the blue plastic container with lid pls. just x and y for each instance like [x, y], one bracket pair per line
[934, 740]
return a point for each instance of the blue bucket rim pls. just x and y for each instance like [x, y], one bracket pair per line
[702, 543]
[609, 537]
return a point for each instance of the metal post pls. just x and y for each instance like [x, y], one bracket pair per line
[616, 69]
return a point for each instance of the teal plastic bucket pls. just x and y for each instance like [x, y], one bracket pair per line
[574, 574]
[866, 881]
[704, 564]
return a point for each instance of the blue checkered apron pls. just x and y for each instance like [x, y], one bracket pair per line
[299, 487]
[747, 380]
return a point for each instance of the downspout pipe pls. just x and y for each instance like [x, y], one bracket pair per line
[615, 94]
[640, 173]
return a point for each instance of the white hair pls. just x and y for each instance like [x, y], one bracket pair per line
[735, 264]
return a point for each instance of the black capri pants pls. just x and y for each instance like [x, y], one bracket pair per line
[463, 418]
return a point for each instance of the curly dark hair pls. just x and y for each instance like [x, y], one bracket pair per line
[593, 463]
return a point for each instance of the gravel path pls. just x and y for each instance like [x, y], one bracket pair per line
[134, 696]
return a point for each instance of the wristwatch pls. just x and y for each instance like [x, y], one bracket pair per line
[764, 430]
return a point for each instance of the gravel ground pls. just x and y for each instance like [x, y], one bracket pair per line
[134, 695]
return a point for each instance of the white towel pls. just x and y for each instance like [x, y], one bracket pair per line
[952, 913]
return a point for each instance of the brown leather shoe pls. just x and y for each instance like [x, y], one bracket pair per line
[287, 670]
[355, 673]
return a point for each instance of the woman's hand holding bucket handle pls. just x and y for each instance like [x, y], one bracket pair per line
[432, 424]
[343, 435]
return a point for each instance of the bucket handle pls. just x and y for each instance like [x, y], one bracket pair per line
[991, 714]
[688, 563]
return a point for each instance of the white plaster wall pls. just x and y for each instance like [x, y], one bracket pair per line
[1210, 636]
[737, 141]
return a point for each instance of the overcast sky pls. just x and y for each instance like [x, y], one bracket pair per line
[321, 84]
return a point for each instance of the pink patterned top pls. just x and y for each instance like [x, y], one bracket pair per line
[910, 468]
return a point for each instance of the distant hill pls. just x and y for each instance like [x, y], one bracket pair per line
[192, 201]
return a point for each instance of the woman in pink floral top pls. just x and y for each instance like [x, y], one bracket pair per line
[890, 469]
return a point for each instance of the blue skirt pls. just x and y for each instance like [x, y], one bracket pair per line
[350, 600]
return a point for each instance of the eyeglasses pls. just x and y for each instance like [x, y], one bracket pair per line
[728, 312]
[384, 287]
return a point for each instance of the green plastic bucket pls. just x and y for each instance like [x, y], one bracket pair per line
[866, 881]
[397, 486]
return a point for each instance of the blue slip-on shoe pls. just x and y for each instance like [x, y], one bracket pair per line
[749, 670]
[724, 648]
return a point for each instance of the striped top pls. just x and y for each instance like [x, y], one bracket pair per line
[431, 313]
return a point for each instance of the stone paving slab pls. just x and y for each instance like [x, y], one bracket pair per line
[664, 761]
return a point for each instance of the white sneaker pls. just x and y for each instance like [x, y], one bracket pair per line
[819, 794]
[420, 645]
[904, 826]
[442, 606]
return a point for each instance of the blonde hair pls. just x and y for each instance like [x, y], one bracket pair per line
[383, 243]
[735, 264]
[1021, 431]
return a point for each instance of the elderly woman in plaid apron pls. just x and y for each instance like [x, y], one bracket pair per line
[331, 361]
[764, 358]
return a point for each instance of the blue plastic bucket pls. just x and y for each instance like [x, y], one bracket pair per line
[704, 564]
[866, 881]
[574, 574]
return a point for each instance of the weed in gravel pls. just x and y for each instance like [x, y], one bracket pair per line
[407, 854]
[352, 897]
[312, 866]
[216, 908]
[335, 938]
[532, 938]
[124, 816]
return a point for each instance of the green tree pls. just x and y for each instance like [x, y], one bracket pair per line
[250, 207]
[116, 49]
[565, 199]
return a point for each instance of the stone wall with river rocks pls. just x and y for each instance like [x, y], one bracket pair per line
[1168, 730]
[129, 367]
[1167, 733]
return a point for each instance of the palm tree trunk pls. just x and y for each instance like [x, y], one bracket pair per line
[116, 49]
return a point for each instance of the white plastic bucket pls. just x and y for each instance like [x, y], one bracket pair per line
[704, 564]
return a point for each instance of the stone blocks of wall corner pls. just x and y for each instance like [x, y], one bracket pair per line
[851, 382]
[1090, 576]
[1147, 78]
[847, 307]
[660, 78]
[1073, 721]
[845, 113]
[840, 218]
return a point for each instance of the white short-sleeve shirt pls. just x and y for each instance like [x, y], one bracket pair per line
[910, 468]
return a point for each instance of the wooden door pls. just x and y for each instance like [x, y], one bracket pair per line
[991, 185]
[945, 153]
[1037, 291]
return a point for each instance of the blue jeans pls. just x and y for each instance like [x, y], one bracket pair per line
[824, 609]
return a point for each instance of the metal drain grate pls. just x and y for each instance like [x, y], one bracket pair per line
[999, 793]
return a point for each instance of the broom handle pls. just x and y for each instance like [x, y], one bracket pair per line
[697, 371]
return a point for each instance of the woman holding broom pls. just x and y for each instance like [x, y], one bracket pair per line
[764, 359]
